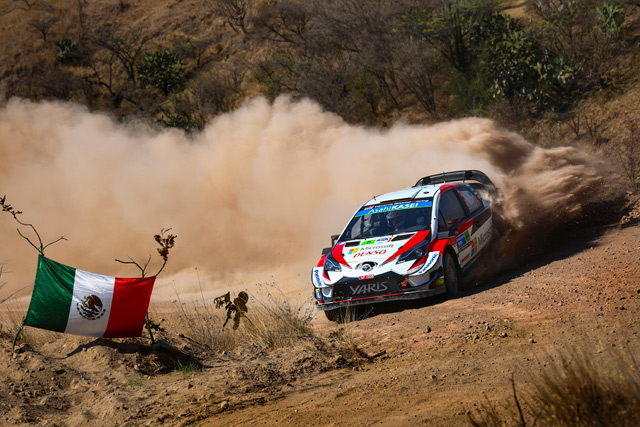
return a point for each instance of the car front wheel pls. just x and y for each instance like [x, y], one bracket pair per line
[332, 315]
[451, 275]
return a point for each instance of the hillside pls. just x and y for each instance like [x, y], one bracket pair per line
[558, 75]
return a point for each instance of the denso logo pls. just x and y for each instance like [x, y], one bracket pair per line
[366, 288]
[370, 253]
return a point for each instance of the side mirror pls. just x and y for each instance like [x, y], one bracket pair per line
[442, 235]
[334, 238]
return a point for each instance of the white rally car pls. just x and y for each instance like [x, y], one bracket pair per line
[407, 244]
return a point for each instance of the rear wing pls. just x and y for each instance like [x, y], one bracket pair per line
[457, 176]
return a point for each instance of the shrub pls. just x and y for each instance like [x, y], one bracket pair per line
[68, 51]
[270, 322]
[161, 70]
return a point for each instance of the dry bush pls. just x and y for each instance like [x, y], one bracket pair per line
[343, 337]
[627, 148]
[580, 389]
[271, 322]
[202, 322]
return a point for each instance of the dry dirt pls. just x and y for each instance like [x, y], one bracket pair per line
[431, 362]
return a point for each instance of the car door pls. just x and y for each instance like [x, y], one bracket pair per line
[479, 230]
[454, 218]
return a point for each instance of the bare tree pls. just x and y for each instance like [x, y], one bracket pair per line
[126, 46]
[233, 11]
[285, 22]
[43, 24]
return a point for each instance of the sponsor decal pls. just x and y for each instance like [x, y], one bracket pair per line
[370, 253]
[484, 236]
[366, 288]
[463, 240]
[316, 275]
[353, 251]
[396, 207]
[373, 248]
[318, 293]
[368, 276]
[431, 261]
[465, 259]
[368, 242]
[383, 239]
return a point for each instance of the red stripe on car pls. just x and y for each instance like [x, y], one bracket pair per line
[417, 238]
[337, 255]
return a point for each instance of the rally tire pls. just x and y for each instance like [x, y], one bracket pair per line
[451, 275]
[332, 315]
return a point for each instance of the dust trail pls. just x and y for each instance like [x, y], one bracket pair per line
[254, 196]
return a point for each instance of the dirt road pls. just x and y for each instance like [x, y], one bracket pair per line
[444, 358]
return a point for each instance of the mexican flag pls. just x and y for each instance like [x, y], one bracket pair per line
[77, 302]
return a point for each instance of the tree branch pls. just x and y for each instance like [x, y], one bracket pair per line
[14, 213]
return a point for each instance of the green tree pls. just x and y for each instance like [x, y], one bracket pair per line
[161, 70]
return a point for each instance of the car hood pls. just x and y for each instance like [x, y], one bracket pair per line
[374, 256]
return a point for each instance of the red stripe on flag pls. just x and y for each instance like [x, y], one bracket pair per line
[129, 307]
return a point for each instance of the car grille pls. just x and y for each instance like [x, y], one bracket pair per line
[367, 288]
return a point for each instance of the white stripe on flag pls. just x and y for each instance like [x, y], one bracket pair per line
[85, 285]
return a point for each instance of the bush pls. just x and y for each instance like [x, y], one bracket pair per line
[273, 323]
[517, 65]
[161, 70]
[68, 51]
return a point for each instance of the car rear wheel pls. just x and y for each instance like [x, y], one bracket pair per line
[451, 275]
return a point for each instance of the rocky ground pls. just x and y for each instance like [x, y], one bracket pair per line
[431, 362]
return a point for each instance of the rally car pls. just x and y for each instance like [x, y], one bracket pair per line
[407, 244]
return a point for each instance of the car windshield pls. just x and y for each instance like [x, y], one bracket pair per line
[389, 219]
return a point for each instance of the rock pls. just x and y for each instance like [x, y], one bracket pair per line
[503, 334]
[224, 405]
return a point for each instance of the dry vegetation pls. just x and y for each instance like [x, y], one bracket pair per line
[559, 71]
[270, 322]
[581, 388]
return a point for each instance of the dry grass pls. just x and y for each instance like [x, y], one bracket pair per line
[344, 337]
[11, 318]
[580, 389]
[274, 323]
[271, 322]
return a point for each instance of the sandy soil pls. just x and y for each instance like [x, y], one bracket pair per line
[429, 362]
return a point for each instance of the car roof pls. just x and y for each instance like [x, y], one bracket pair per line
[406, 194]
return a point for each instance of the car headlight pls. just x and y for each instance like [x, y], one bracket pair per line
[330, 264]
[414, 254]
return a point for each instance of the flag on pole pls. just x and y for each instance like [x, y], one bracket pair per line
[77, 302]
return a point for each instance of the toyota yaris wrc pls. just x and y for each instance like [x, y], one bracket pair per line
[407, 244]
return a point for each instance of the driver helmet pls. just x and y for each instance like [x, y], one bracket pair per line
[396, 219]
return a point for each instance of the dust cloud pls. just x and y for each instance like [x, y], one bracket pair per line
[254, 197]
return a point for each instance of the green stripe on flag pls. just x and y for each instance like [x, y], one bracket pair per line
[51, 298]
